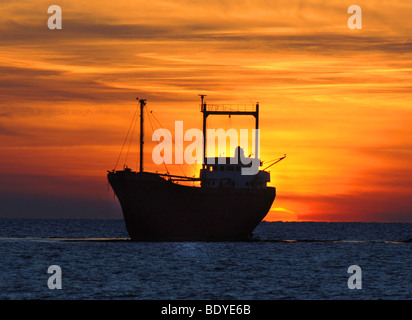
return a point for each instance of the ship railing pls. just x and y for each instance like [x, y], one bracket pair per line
[230, 107]
[178, 178]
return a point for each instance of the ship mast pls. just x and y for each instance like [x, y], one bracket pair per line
[203, 109]
[252, 110]
[142, 104]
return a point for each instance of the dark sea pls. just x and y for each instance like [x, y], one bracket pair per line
[292, 261]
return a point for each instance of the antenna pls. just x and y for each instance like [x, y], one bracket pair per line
[202, 97]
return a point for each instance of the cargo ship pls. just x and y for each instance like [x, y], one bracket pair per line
[227, 206]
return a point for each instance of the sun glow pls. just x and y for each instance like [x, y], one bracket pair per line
[336, 101]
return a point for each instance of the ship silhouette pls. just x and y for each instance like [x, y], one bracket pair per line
[227, 206]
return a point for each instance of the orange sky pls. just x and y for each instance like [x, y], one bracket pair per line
[336, 101]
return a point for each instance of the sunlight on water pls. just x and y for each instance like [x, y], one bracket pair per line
[284, 261]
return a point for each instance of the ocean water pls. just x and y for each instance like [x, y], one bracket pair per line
[293, 261]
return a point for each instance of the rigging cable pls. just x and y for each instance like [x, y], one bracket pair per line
[173, 142]
[130, 142]
[151, 124]
[125, 140]
[181, 168]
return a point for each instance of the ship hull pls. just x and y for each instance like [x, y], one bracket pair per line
[156, 209]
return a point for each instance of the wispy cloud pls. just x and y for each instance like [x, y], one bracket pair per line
[337, 101]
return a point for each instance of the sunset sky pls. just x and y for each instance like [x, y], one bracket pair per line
[336, 101]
